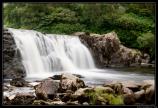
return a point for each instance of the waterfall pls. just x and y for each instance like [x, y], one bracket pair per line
[47, 53]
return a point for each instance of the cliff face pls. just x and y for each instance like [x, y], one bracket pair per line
[107, 50]
[12, 63]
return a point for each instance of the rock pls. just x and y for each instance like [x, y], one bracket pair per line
[23, 99]
[145, 58]
[147, 83]
[70, 82]
[18, 82]
[12, 63]
[47, 89]
[127, 91]
[56, 77]
[116, 86]
[150, 95]
[66, 97]
[58, 103]
[48, 102]
[80, 94]
[104, 89]
[85, 103]
[100, 101]
[6, 100]
[129, 99]
[131, 85]
[72, 103]
[139, 95]
[108, 51]
[41, 102]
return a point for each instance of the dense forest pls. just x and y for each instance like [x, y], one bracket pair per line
[134, 23]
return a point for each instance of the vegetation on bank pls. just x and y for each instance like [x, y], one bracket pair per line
[100, 96]
[134, 23]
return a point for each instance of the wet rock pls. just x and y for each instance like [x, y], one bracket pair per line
[147, 83]
[131, 85]
[47, 89]
[81, 95]
[58, 103]
[66, 97]
[41, 102]
[108, 51]
[139, 95]
[18, 82]
[85, 103]
[150, 95]
[12, 64]
[6, 100]
[127, 91]
[129, 99]
[23, 99]
[56, 77]
[72, 103]
[116, 86]
[70, 82]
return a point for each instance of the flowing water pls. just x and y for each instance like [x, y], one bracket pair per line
[45, 55]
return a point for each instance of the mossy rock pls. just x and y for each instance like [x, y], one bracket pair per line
[100, 97]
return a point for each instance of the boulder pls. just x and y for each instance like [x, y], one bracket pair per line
[18, 82]
[129, 99]
[116, 86]
[150, 95]
[22, 99]
[131, 85]
[107, 50]
[70, 82]
[81, 95]
[47, 89]
[139, 95]
[147, 83]
[127, 91]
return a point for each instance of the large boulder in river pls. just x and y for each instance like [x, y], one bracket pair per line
[70, 82]
[47, 89]
[12, 64]
[107, 50]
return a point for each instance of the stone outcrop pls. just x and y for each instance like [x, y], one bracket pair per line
[12, 65]
[70, 82]
[107, 50]
[47, 89]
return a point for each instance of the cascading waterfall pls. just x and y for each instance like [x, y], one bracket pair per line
[47, 53]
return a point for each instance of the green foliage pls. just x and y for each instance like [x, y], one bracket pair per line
[130, 21]
[100, 95]
[147, 43]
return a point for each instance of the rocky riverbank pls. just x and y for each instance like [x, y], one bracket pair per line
[68, 89]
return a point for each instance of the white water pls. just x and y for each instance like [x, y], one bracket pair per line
[44, 54]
